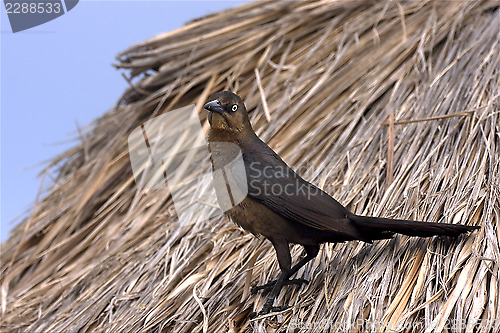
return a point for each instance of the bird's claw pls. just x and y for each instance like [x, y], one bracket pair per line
[266, 288]
[266, 310]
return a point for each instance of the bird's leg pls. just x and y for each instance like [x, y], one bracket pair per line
[311, 253]
[284, 261]
[266, 288]
[286, 281]
[268, 306]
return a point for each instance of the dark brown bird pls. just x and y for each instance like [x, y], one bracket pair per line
[280, 205]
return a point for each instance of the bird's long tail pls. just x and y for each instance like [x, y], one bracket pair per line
[378, 228]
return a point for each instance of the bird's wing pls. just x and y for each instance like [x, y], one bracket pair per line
[275, 185]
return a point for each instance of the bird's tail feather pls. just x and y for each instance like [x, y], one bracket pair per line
[381, 227]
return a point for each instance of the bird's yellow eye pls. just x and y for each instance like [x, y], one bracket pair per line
[235, 107]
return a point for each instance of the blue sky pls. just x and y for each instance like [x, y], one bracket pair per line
[58, 76]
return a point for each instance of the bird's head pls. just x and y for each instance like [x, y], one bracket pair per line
[227, 112]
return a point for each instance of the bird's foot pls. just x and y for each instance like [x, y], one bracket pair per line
[266, 288]
[268, 308]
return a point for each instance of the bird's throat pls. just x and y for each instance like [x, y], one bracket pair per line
[217, 121]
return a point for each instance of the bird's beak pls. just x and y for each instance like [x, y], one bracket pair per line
[214, 106]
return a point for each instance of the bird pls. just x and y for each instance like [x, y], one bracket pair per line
[283, 207]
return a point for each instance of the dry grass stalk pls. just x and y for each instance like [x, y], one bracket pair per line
[100, 255]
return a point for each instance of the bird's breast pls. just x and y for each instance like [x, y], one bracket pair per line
[256, 218]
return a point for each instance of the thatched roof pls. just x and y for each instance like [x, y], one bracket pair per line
[99, 254]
